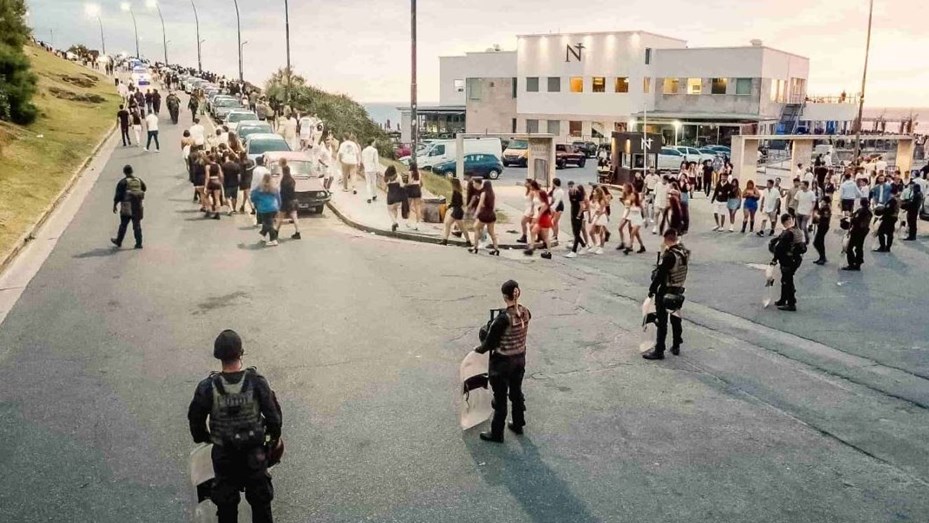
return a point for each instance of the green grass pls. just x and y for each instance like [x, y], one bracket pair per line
[76, 108]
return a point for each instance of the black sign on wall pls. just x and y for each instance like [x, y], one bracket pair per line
[573, 50]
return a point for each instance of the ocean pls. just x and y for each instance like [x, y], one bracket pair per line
[383, 112]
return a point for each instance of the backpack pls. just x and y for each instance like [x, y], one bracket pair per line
[134, 189]
[235, 420]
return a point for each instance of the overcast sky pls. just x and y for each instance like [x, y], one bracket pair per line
[361, 47]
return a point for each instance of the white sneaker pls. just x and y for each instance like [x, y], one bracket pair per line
[571, 254]
[716, 228]
[273, 244]
[145, 149]
[599, 250]
[731, 229]
[654, 230]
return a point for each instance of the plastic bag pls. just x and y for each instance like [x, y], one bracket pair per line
[771, 275]
[649, 312]
[845, 240]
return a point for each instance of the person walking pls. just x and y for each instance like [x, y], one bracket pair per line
[246, 174]
[174, 104]
[289, 201]
[788, 250]
[770, 207]
[348, 159]
[193, 104]
[266, 199]
[750, 197]
[661, 205]
[245, 422]
[156, 101]
[525, 223]
[721, 194]
[634, 216]
[232, 174]
[912, 201]
[806, 203]
[890, 213]
[414, 195]
[151, 128]
[396, 195]
[127, 200]
[577, 202]
[486, 216]
[455, 213]
[137, 126]
[848, 194]
[542, 224]
[598, 220]
[821, 218]
[122, 118]
[289, 132]
[859, 227]
[371, 162]
[506, 342]
[667, 289]
[556, 197]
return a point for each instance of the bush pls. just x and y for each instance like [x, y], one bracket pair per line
[17, 83]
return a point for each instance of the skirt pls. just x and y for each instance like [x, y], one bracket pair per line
[635, 217]
[395, 194]
[545, 221]
[487, 216]
[751, 204]
[733, 204]
[414, 191]
[288, 206]
[214, 185]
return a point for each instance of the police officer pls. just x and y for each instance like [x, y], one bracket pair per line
[788, 250]
[667, 289]
[506, 338]
[130, 191]
[243, 411]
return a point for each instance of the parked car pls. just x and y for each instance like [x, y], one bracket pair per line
[310, 193]
[245, 129]
[402, 150]
[239, 115]
[223, 105]
[693, 154]
[670, 159]
[479, 165]
[516, 153]
[260, 143]
[588, 148]
[567, 154]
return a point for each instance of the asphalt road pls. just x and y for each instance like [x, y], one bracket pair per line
[816, 416]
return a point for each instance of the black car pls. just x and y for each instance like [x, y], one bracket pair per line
[588, 148]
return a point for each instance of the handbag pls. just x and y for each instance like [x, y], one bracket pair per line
[672, 302]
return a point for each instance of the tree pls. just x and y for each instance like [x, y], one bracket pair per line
[17, 83]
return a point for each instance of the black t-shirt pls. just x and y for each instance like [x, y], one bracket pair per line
[136, 118]
[231, 174]
[123, 116]
[288, 189]
[925, 170]
[576, 197]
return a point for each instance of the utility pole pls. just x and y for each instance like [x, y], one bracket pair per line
[864, 78]
[164, 34]
[414, 116]
[197, 23]
[287, 34]
[238, 26]
[126, 6]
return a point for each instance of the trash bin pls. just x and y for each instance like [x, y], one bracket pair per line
[432, 209]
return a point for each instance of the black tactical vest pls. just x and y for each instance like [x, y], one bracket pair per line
[678, 274]
[235, 420]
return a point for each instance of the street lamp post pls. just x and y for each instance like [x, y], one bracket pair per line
[153, 4]
[94, 10]
[238, 27]
[242, 51]
[287, 35]
[864, 78]
[199, 41]
[126, 6]
[414, 116]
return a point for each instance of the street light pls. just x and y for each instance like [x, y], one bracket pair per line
[93, 10]
[864, 77]
[414, 116]
[153, 4]
[287, 35]
[238, 28]
[199, 41]
[126, 6]
[241, 53]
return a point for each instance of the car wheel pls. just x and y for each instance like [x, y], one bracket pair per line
[493, 174]
[582, 163]
[506, 164]
[559, 165]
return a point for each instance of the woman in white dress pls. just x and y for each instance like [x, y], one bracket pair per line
[636, 219]
[525, 224]
[599, 221]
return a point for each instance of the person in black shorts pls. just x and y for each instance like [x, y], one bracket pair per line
[214, 187]
[198, 176]
[288, 200]
[231, 172]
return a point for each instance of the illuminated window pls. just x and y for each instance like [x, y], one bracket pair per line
[622, 85]
[532, 84]
[599, 84]
[646, 84]
[575, 128]
[554, 84]
[719, 85]
[577, 84]
[694, 85]
[743, 86]
[671, 85]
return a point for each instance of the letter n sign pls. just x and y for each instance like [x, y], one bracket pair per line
[574, 51]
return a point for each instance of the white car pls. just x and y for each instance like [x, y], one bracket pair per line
[670, 159]
[693, 154]
[239, 115]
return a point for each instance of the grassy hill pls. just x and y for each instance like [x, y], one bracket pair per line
[76, 109]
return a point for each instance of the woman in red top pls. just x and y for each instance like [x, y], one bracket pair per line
[542, 227]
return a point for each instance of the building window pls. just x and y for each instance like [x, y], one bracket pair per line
[648, 55]
[532, 84]
[599, 84]
[474, 88]
[575, 128]
[719, 85]
[694, 85]
[577, 84]
[459, 86]
[532, 126]
[743, 86]
[671, 85]
[778, 91]
[646, 85]
[554, 84]
[554, 127]
[622, 85]
[513, 129]
[515, 83]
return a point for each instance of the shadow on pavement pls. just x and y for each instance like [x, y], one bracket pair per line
[257, 246]
[543, 495]
[100, 252]
[186, 211]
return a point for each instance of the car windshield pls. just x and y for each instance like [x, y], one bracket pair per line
[242, 117]
[266, 146]
[226, 102]
[298, 168]
[252, 129]
[518, 145]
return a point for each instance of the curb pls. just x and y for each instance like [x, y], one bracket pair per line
[24, 240]
[401, 235]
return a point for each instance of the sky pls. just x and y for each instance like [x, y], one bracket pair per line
[362, 47]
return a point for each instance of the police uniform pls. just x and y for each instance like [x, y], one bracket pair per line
[506, 338]
[128, 196]
[787, 255]
[242, 410]
[668, 279]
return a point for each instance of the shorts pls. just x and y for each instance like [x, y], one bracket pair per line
[214, 185]
[720, 207]
[545, 221]
[733, 204]
[231, 192]
[848, 205]
[288, 206]
[751, 205]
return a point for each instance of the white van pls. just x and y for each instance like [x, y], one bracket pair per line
[140, 76]
[446, 150]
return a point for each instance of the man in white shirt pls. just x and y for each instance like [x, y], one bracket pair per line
[651, 180]
[848, 194]
[661, 202]
[289, 132]
[807, 177]
[348, 159]
[806, 200]
[151, 125]
[827, 160]
[197, 133]
[800, 171]
[123, 91]
[770, 201]
[371, 163]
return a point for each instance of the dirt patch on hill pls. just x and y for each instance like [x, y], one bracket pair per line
[65, 94]
[82, 80]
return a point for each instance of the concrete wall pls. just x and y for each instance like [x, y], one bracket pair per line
[823, 112]
[736, 62]
[495, 111]
[491, 64]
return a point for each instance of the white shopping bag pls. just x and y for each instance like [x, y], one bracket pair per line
[476, 396]
[770, 277]
[648, 312]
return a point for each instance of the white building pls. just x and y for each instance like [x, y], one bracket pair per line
[587, 85]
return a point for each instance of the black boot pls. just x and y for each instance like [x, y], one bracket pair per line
[517, 429]
[654, 354]
[489, 436]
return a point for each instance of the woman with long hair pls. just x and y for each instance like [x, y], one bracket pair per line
[289, 201]
[455, 214]
[267, 201]
[525, 223]
[598, 220]
[735, 201]
[577, 199]
[214, 187]
[624, 224]
[198, 173]
[395, 195]
[541, 226]
[556, 197]
[246, 171]
[234, 144]
[636, 219]
[751, 195]
[414, 192]
[486, 217]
